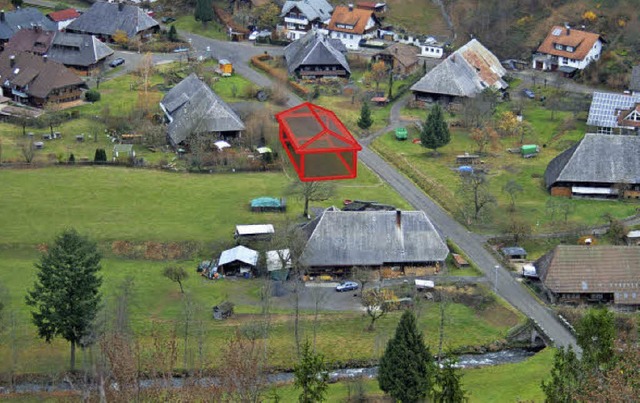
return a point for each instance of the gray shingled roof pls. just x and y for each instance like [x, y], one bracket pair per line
[314, 49]
[634, 82]
[78, 49]
[15, 20]
[373, 238]
[605, 107]
[465, 73]
[193, 107]
[597, 158]
[593, 269]
[106, 18]
[312, 9]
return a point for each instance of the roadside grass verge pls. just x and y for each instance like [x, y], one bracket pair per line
[471, 270]
[213, 30]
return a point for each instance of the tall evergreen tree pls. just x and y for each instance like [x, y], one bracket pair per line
[566, 377]
[435, 132]
[311, 375]
[172, 35]
[407, 367]
[449, 383]
[204, 11]
[365, 120]
[65, 295]
[595, 334]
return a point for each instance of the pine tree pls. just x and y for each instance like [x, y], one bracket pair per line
[365, 120]
[595, 334]
[566, 378]
[407, 368]
[449, 382]
[435, 132]
[66, 296]
[172, 35]
[204, 11]
[311, 375]
[390, 94]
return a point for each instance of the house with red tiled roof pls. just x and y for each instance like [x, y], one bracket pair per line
[567, 50]
[63, 17]
[350, 25]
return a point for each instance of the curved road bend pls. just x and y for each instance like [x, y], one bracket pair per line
[472, 244]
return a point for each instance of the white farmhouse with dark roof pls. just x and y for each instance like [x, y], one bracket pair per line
[340, 240]
[301, 16]
[191, 107]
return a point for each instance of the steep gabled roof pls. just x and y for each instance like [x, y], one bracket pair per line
[315, 49]
[373, 238]
[597, 158]
[605, 107]
[593, 269]
[239, 254]
[355, 17]
[465, 73]
[13, 21]
[193, 107]
[78, 49]
[406, 55]
[581, 41]
[64, 15]
[312, 9]
[41, 76]
[106, 18]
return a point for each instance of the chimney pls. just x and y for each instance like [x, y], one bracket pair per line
[350, 6]
[399, 218]
[2, 15]
[120, 6]
[568, 30]
[12, 60]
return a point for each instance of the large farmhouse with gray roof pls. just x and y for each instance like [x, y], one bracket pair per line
[301, 16]
[600, 273]
[314, 55]
[465, 73]
[13, 21]
[191, 108]
[104, 19]
[612, 113]
[341, 240]
[599, 166]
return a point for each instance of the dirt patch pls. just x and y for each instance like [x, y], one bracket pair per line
[151, 250]
[499, 316]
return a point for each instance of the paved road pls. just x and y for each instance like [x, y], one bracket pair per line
[472, 244]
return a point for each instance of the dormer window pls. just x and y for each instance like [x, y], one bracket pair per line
[633, 116]
[559, 46]
[570, 49]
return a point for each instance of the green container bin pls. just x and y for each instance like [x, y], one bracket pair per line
[401, 133]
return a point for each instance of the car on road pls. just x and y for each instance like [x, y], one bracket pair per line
[528, 93]
[167, 20]
[116, 62]
[253, 35]
[347, 286]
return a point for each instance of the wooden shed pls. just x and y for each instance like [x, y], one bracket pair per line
[225, 67]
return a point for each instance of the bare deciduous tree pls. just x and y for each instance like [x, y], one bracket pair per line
[476, 195]
[378, 302]
[311, 191]
[243, 378]
[27, 150]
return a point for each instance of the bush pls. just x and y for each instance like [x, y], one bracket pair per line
[92, 96]
[100, 156]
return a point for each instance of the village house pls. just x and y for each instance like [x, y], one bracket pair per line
[351, 25]
[34, 80]
[315, 56]
[464, 74]
[634, 80]
[430, 47]
[567, 50]
[302, 16]
[104, 19]
[63, 18]
[401, 59]
[597, 273]
[612, 113]
[83, 53]
[598, 166]
[191, 107]
[13, 21]
[340, 240]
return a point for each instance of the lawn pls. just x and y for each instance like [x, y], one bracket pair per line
[443, 182]
[416, 16]
[518, 382]
[213, 29]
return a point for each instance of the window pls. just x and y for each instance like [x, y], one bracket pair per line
[570, 48]
[558, 46]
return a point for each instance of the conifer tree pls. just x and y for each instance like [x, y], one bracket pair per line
[407, 367]
[204, 11]
[435, 132]
[365, 120]
[311, 375]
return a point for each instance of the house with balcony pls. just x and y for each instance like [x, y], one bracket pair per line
[566, 49]
[351, 25]
[316, 56]
[301, 16]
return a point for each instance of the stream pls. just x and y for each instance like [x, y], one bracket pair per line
[464, 361]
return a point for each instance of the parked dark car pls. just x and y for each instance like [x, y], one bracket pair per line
[116, 62]
[528, 93]
[167, 20]
[347, 286]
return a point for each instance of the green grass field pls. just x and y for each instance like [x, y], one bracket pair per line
[502, 167]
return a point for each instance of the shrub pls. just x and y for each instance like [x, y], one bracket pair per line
[72, 159]
[100, 156]
[92, 96]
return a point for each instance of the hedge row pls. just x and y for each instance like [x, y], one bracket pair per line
[258, 61]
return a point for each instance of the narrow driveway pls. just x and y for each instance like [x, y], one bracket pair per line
[472, 244]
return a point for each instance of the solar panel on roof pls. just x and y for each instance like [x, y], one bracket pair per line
[557, 32]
